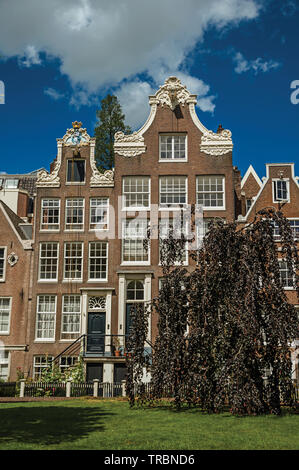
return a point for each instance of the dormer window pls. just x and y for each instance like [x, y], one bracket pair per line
[76, 170]
[281, 190]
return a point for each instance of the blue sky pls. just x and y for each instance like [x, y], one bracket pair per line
[60, 58]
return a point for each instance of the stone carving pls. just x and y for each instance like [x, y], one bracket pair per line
[130, 145]
[49, 179]
[97, 303]
[172, 93]
[12, 259]
[217, 143]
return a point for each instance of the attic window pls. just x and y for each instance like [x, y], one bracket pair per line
[281, 190]
[76, 171]
[11, 183]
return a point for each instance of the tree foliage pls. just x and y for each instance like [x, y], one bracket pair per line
[224, 329]
[111, 120]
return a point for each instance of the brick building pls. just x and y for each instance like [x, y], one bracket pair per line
[90, 264]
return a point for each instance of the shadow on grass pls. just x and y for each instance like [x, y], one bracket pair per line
[46, 425]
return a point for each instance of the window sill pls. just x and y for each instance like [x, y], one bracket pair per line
[75, 183]
[135, 263]
[47, 281]
[172, 160]
[44, 341]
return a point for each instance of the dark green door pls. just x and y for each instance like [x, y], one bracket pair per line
[96, 333]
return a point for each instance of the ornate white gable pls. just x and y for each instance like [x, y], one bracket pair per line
[76, 137]
[172, 94]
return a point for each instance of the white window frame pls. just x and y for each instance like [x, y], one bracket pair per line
[4, 362]
[286, 270]
[136, 208]
[39, 263]
[54, 313]
[64, 314]
[73, 362]
[91, 279]
[66, 229]
[101, 207]
[274, 185]
[42, 212]
[2, 279]
[41, 365]
[134, 263]
[7, 332]
[173, 159]
[173, 206]
[211, 208]
[294, 219]
[82, 261]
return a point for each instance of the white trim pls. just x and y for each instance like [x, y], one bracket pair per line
[65, 215]
[172, 159]
[108, 214]
[70, 313]
[7, 333]
[45, 340]
[64, 259]
[4, 263]
[39, 262]
[251, 171]
[134, 263]
[135, 208]
[176, 206]
[41, 214]
[107, 258]
[212, 208]
[274, 181]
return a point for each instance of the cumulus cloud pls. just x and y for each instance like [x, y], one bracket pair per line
[102, 44]
[257, 65]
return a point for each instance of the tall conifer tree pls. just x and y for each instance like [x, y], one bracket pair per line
[111, 120]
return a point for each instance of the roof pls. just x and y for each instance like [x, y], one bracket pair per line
[15, 220]
[27, 181]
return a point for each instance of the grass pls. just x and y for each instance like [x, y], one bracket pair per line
[110, 424]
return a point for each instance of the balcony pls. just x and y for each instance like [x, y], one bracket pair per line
[101, 345]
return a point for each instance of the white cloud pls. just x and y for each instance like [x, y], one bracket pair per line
[54, 94]
[30, 57]
[101, 44]
[256, 65]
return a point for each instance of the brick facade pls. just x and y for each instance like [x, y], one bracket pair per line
[104, 303]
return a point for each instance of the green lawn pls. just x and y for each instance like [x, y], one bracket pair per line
[111, 424]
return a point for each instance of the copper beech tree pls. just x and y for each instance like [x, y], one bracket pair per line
[226, 328]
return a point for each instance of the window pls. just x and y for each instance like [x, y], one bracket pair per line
[4, 363]
[134, 250]
[73, 260]
[99, 213]
[294, 223]
[76, 171]
[98, 261]
[50, 214]
[5, 309]
[210, 192]
[173, 191]
[173, 147]
[71, 312]
[45, 317]
[66, 362]
[136, 192]
[2, 263]
[40, 364]
[165, 226]
[295, 228]
[286, 275]
[280, 190]
[135, 294]
[48, 261]
[74, 214]
[11, 183]
[248, 204]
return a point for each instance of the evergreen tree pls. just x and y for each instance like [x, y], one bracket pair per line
[111, 120]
